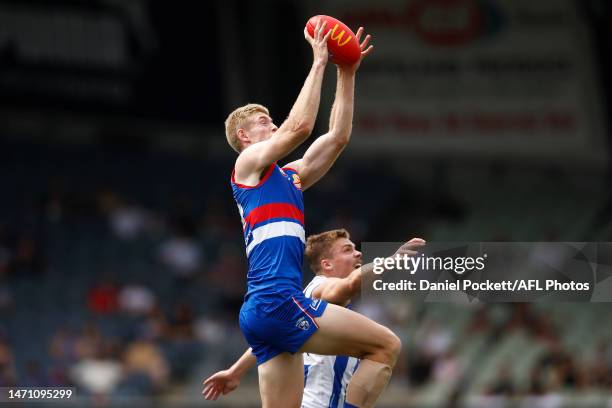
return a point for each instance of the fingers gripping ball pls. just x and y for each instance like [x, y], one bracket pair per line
[342, 43]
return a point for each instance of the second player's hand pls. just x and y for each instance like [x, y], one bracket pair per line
[319, 42]
[220, 383]
[410, 248]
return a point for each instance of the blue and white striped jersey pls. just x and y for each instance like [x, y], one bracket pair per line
[325, 377]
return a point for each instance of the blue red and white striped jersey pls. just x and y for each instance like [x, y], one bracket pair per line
[272, 215]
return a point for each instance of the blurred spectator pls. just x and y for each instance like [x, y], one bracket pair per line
[8, 375]
[479, 322]
[521, 317]
[181, 323]
[209, 331]
[63, 346]
[536, 385]
[103, 296]
[181, 345]
[136, 299]
[88, 342]
[154, 326]
[544, 329]
[372, 309]
[432, 342]
[144, 361]
[503, 384]
[100, 372]
[600, 367]
[447, 368]
[182, 255]
[63, 352]
[420, 367]
[436, 339]
[129, 220]
[558, 365]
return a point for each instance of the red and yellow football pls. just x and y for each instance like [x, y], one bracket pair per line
[342, 43]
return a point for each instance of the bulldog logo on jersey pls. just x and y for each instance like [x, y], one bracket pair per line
[302, 323]
[297, 182]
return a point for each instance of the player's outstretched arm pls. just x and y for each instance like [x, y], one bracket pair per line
[226, 381]
[340, 291]
[324, 151]
[301, 120]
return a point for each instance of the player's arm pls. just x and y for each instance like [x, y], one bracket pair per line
[226, 381]
[324, 151]
[340, 291]
[300, 122]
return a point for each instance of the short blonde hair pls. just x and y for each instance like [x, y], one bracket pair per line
[236, 120]
[318, 246]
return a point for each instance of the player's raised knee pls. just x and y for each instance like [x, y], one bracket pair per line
[392, 347]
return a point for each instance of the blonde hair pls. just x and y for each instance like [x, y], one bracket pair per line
[318, 246]
[236, 120]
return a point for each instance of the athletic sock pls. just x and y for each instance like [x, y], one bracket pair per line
[347, 405]
[367, 383]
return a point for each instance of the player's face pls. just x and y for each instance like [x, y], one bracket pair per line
[260, 128]
[345, 258]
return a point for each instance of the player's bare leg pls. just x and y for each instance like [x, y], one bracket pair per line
[344, 332]
[281, 381]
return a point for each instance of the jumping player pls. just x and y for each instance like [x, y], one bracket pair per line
[277, 320]
[337, 264]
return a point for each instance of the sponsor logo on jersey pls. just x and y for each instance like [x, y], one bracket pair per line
[297, 182]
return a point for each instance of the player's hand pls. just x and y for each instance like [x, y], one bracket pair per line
[410, 248]
[220, 383]
[319, 42]
[365, 51]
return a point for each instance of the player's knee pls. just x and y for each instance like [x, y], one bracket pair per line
[387, 349]
[391, 346]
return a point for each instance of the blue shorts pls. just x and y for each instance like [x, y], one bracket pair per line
[283, 328]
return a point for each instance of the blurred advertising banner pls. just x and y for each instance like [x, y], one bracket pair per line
[490, 272]
[481, 76]
[123, 58]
